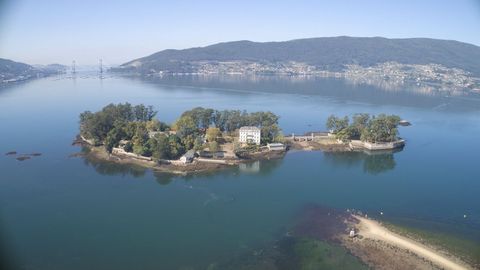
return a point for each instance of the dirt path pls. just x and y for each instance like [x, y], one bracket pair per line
[373, 230]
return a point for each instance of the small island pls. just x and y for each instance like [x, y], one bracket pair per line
[203, 139]
[367, 133]
[200, 139]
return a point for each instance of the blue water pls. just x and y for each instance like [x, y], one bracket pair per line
[59, 212]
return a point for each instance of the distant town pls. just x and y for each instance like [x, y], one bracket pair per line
[390, 75]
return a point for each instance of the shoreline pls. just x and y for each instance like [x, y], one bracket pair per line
[199, 165]
[327, 144]
[380, 247]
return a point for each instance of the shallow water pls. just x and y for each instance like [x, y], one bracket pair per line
[69, 213]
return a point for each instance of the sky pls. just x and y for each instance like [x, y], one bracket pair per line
[59, 31]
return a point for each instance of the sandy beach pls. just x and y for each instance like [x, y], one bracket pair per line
[373, 230]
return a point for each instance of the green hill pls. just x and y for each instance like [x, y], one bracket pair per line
[328, 53]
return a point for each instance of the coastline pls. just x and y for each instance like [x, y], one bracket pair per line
[198, 165]
[382, 248]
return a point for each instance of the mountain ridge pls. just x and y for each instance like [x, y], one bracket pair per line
[12, 71]
[329, 53]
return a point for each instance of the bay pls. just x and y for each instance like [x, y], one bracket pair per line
[59, 212]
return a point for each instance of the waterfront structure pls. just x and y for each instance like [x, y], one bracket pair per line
[276, 146]
[358, 144]
[249, 134]
[188, 157]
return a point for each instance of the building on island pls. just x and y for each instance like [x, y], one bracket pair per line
[188, 157]
[276, 146]
[249, 134]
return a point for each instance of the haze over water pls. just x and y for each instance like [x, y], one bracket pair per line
[60, 212]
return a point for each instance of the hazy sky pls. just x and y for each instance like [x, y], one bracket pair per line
[48, 31]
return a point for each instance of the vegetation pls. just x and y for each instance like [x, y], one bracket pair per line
[375, 129]
[204, 119]
[11, 70]
[329, 53]
[141, 133]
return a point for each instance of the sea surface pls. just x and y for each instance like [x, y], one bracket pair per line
[63, 212]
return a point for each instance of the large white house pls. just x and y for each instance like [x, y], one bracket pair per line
[249, 135]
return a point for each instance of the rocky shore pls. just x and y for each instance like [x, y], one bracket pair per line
[175, 167]
[381, 248]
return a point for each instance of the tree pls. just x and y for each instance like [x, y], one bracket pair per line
[143, 113]
[335, 124]
[269, 133]
[213, 146]
[185, 126]
[140, 141]
[160, 147]
[346, 134]
[198, 145]
[128, 147]
[176, 147]
[130, 128]
[382, 128]
[153, 125]
[213, 134]
[201, 116]
[280, 138]
[188, 141]
[113, 138]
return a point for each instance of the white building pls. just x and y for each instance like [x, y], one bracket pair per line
[249, 135]
[188, 157]
[276, 146]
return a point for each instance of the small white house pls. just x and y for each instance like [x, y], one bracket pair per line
[249, 135]
[188, 157]
[276, 146]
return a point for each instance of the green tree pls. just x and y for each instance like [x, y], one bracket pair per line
[203, 117]
[382, 128]
[143, 113]
[185, 126]
[140, 141]
[176, 147]
[130, 128]
[160, 147]
[128, 147]
[335, 124]
[359, 123]
[198, 145]
[213, 146]
[113, 138]
[188, 141]
[269, 133]
[213, 134]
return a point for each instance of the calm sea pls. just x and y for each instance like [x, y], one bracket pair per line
[61, 212]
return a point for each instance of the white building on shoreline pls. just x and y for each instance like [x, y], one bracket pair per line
[249, 134]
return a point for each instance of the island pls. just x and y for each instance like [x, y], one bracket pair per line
[200, 139]
[205, 139]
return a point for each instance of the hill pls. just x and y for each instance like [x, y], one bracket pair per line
[11, 71]
[327, 53]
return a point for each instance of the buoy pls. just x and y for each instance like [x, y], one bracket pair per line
[381, 213]
[464, 216]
